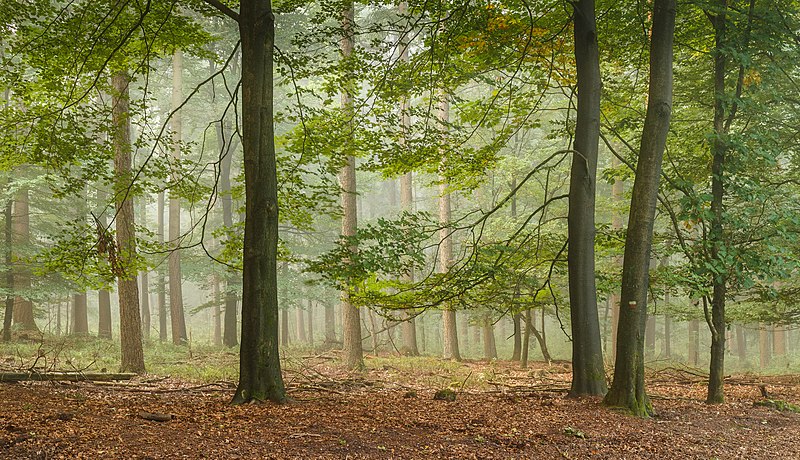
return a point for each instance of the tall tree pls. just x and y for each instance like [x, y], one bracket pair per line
[176, 314]
[227, 148]
[8, 279]
[588, 373]
[627, 389]
[80, 314]
[130, 322]
[351, 318]
[23, 307]
[449, 327]
[259, 362]
[161, 288]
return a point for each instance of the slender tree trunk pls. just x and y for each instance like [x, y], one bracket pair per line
[330, 325]
[588, 373]
[449, 327]
[617, 191]
[161, 284]
[741, 344]
[23, 307]
[104, 328]
[351, 318]
[540, 338]
[217, 313]
[489, 345]
[259, 362]
[764, 349]
[694, 343]
[130, 321]
[515, 355]
[628, 389]
[300, 323]
[526, 340]
[177, 317]
[227, 146]
[650, 336]
[80, 314]
[408, 326]
[311, 323]
[145, 280]
[779, 340]
[9, 272]
[667, 336]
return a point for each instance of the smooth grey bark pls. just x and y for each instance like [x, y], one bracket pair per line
[23, 307]
[628, 387]
[80, 314]
[588, 372]
[228, 146]
[449, 325]
[161, 284]
[130, 321]
[9, 272]
[145, 282]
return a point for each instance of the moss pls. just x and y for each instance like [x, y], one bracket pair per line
[445, 394]
[779, 405]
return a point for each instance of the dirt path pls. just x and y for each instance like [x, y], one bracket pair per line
[45, 421]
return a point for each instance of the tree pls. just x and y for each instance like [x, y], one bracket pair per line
[351, 319]
[259, 362]
[176, 314]
[588, 373]
[627, 389]
[130, 322]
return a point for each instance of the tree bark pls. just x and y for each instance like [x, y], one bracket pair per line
[9, 272]
[489, 345]
[330, 325]
[311, 322]
[515, 354]
[144, 279]
[80, 314]
[176, 313]
[259, 362]
[351, 319]
[764, 349]
[217, 312]
[130, 321]
[588, 373]
[693, 351]
[741, 344]
[449, 325]
[627, 389]
[161, 283]
[227, 149]
[104, 328]
[778, 340]
[300, 323]
[23, 308]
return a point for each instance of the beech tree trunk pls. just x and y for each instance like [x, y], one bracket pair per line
[330, 325]
[161, 284]
[217, 312]
[311, 322]
[23, 307]
[627, 389]
[178, 320]
[588, 372]
[104, 329]
[764, 348]
[778, 340]
[80, 314]
[515, 354]
[449, 325]
[9, 273]
[741, 344]
[489, 345]
[259, 362]
[694, 343]
[351, 319]
[617, 191]
[144, 279]
[130, 321]
[228, 144]
[300, 323]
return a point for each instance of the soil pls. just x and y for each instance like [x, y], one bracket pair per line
[366, 415]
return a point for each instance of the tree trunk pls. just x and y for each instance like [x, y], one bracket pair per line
[764, 349]
[330, 325]
[176, 314]
[449, 327]
[259, 362]
[9, 272]
[408, 327]
[741, 344]
[300, 323]
[130, 321]
[617, 191]
[694, 343]
[627, 389]
[779, 340]
[23, 307]
[145, 282]
[489, 345]
[227, 146]
[351, 319]
[217, 312]
[667, 337]
[104, 328]
[80, 314]
[540, 338]
[515, 354]
[588, 373]
[526, 340]
[311, 323]
[284, 328]
[650, 336]
[161, 284]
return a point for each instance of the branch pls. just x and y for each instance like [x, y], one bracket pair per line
[224, 9]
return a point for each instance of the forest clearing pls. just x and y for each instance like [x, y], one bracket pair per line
[389, 411]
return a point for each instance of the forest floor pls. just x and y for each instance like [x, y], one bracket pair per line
[388, 411]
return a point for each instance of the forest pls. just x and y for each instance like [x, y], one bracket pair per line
[409, 229]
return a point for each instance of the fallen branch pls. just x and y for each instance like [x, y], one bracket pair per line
[63, 376]
[156, 417]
